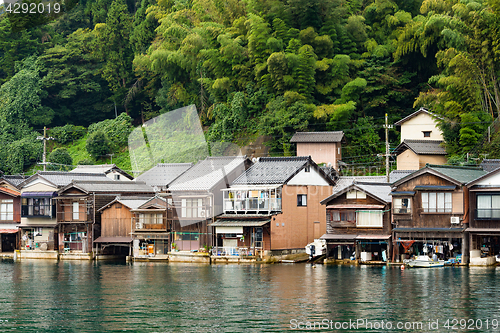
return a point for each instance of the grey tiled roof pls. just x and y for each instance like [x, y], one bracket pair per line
[396, 175]
[208, 173]
[15, 179]
[422, 147]
[381, 191]
[63, 178]
[111, 186]
[346, 181]
[271, 170]
[490, 164]
[130, 202]
[317, 136]
[163, 173]
[100, 168]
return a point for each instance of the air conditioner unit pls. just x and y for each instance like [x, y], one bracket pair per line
[202, 213]
[455, 220]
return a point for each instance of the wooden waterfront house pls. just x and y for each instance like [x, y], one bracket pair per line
[78, 224]
[358, 220]
[323, 147]
[196, 198]
[151, 226]
[430, 207]
[117, 221]
[273, 207]
[38, 207]
[421, 141]
[483, 232]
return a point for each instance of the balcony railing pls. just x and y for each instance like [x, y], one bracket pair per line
[402, 210]
[488, 214]
[256, 205]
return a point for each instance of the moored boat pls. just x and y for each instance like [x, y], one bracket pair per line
[424, 262]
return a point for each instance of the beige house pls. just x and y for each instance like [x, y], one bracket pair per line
[323, 147]
[421, 141]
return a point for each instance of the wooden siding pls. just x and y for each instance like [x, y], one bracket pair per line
[17, 208]
[419, 219]
[115, 221]
[350, 228]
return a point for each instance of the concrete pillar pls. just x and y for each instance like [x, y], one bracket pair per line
[465, 247]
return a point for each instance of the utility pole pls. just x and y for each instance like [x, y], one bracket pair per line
[44, 138]
[387, 154]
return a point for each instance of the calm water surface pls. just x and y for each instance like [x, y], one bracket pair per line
[47, 296]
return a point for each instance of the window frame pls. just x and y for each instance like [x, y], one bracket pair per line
[31, 207]
[400, 209]
[301, 200]
[432, 202]
[8, 204]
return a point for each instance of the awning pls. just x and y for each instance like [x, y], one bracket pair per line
[428, 230]
[354, 206]
[113, 240]
[8, 231]
[239, 223]
[31, 226]
[373, 237]
[339, 237]
[484, 230]
[38, 194]
[434, 188]
[404, 193]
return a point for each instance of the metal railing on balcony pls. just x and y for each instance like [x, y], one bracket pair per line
[256, 205]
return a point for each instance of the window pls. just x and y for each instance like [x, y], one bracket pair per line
[353, 194]
[117, 177]
[151, 218]
[427, 134]
[402, 205]
[36, 207]
[370, 219]
[307, 168]
[343, 216]
[488, 206]
[435, 202]
[301, 200]
[76, 210]
[192, 207]
[7, 209]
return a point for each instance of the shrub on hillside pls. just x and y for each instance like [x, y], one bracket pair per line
[98, 144]
[67, 133]
[117, 130]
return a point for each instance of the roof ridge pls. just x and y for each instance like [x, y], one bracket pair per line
[454, 167]
[422, 140]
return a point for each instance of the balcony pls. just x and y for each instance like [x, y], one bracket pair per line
[252, 200]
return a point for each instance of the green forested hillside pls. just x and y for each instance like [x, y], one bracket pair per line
[254, 67]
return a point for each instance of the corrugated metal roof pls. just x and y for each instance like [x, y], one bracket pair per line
[208, 173]
[421, 147]
[336, 136]
[163, 173]
[271, 170]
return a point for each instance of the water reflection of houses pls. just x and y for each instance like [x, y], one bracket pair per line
[430, 208]
[273, 207]
[358, 220]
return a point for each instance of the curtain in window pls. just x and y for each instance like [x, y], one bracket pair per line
[425, 202]
[335, 216]
[495, 206]
[484, 206]
[373, 218]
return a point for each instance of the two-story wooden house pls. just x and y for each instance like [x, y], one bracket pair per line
[78, 223]
[430, 211]
[273, 206]
[196, 198]
[358, 221]
[38, 212]
[483, 230]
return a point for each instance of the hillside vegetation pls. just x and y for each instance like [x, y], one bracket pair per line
[254, 67]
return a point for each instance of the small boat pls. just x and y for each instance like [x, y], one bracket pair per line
[424, 262]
